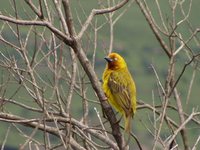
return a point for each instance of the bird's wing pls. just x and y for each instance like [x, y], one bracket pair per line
[120, 87]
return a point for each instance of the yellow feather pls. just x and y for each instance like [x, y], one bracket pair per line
[119, 88]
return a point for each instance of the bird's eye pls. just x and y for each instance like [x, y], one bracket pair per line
[115, 59]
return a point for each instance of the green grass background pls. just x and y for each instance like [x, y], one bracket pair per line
[135, 41]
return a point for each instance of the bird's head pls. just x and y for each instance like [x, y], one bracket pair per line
[115, 61]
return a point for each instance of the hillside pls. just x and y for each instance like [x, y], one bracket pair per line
[134, 39]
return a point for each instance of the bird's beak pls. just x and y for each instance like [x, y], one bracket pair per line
[108, 59]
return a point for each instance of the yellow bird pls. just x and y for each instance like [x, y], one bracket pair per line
[119, 87]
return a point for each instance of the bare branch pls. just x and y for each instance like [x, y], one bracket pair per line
[6, 137]
[36, 11]
[181, 127]
[152, 25]
[57, 32]
[99, 12]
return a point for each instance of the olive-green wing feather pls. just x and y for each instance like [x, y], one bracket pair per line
[122, 88]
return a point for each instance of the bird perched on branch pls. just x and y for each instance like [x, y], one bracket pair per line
[119, 87]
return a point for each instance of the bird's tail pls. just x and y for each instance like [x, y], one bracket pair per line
[127, 129]
[128, 123]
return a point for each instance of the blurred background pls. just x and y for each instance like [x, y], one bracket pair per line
[132, 38]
